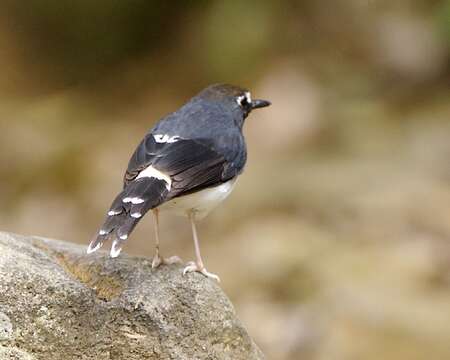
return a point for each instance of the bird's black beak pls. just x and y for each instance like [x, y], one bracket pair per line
[258, 103]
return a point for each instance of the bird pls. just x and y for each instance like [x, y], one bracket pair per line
[186, 164]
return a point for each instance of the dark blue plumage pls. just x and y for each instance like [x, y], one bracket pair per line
[199, 146]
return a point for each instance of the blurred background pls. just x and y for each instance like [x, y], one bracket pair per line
[335, 243]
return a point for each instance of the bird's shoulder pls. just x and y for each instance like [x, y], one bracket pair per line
[192, 164]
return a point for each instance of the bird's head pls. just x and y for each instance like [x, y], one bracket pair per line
[235, 98]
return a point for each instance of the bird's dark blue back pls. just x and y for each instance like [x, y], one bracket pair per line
[212, 123]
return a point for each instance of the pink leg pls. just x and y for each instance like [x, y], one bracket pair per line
[157, 259]
[198, 264]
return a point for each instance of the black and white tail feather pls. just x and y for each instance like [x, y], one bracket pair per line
[127, 209]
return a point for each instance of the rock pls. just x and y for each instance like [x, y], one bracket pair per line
[5, 327]
[12, 353]
[56, 302]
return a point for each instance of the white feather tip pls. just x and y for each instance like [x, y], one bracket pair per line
[91, 249]
[115, 250]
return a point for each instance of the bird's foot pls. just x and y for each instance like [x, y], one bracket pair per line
[158, 260]
[193, 266]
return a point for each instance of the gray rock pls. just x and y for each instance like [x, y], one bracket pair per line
[13, 353]
[59, 303]
[5, 327]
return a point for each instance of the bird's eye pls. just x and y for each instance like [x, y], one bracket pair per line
[244, 100]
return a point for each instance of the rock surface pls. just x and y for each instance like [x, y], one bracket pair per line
[58, 303]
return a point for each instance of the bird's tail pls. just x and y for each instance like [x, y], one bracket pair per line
[127, 209]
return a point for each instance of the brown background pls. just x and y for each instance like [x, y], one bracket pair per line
[336, 241]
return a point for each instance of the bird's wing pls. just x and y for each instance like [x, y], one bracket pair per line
[161, 169]
[191, 164]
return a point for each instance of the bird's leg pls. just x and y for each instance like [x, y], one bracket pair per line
[157, 259]
[197, 265]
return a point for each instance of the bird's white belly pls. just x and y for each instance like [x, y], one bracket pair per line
[202, 202]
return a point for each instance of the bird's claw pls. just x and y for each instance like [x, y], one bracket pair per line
[192, 266]
[158, 260]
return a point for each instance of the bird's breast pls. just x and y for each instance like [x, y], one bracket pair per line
[202, 202]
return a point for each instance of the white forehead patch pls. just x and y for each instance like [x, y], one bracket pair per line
[165, 138]
[246, 96]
